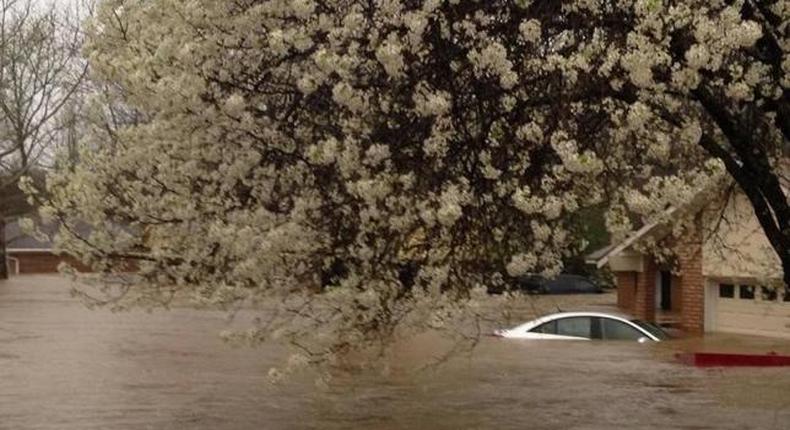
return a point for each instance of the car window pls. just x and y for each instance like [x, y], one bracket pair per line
[618, 330]
[546, 328]
[575, 326]
[651, 328]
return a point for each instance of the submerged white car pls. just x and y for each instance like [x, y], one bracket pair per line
[586, 326]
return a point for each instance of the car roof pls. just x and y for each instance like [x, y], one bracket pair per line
[588, 314]
[554, 316]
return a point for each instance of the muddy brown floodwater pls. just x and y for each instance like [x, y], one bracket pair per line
[65, 367]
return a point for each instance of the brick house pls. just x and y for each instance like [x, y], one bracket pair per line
[27, 255]
[724, 276]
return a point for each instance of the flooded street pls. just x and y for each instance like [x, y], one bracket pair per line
[65, 367]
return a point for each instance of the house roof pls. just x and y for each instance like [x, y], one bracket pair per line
[601, 257]
[18, 240]
[593, 257]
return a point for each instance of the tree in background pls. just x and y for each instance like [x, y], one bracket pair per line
[310, 151]
[39, 74]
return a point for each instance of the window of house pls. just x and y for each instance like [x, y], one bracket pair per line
[726, 291]
[746, 292]
[768, 294]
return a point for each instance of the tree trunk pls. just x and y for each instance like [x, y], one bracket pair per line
[762, 188]
[3, 257]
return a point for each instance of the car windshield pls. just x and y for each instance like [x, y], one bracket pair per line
[651, 328]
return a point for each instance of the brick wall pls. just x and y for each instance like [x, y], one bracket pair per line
[636, 292]
[676, 293]
[692, 300]
[645, 296]
[42, 262]
[626, 288]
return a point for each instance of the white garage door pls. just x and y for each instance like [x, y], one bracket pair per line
[753, 310]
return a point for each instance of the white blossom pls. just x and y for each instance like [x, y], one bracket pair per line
[698, 57]
[530, 30]
[530, 132]
[493, 59]
[521, 264]
[431, 103]
[302, 8]
[451, 206]
[390, 56]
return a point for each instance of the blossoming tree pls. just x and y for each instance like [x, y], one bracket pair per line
[39, 75]
[371, 164]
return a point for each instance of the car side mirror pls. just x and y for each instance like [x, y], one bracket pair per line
[642, 339]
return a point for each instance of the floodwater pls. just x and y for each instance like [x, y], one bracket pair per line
[65, 367]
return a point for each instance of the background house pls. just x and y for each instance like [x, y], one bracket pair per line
[725, 276]
[27, 254]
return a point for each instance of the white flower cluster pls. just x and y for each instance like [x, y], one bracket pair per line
[390, 56]
[493, 59]
[698, 57]
[451, 202]
[521, 264]
[526, 202]
[346, 96]
[431, 103]
[530, 30]
[530, 132]
[572, 159]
